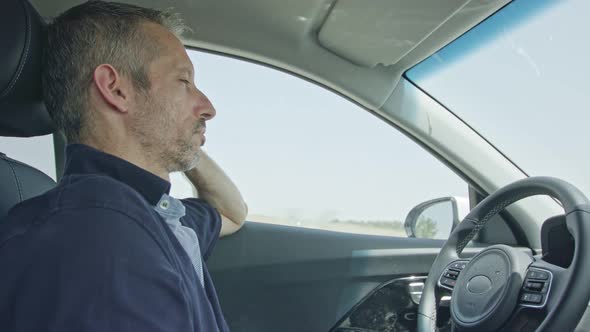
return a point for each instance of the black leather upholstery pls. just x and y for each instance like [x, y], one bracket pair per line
[22, 112]
[18, 182]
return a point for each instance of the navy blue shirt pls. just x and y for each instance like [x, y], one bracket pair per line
[92, 254]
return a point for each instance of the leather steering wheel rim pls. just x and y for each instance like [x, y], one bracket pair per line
[567, 303]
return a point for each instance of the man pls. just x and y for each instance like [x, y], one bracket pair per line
[108, 249]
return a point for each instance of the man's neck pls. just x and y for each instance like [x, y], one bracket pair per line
[133, 154]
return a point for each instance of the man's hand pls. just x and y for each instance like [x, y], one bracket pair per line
[215, 187]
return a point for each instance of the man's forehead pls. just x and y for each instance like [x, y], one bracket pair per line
[168, 42]
[171, 54]
[184, 67]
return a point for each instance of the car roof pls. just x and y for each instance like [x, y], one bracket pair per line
[357, 48]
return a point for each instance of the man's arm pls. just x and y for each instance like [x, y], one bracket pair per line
[215, 187]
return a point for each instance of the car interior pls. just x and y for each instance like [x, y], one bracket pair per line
[493, 273]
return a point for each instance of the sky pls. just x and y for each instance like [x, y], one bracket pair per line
[300, 152]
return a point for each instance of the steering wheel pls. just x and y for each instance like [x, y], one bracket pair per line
[496, 288]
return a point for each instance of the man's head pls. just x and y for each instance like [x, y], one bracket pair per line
[117, 75]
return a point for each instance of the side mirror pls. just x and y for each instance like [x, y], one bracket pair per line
[436, 219]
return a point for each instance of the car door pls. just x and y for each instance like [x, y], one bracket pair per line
[285, 278]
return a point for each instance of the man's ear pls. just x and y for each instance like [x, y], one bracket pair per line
[114, 89]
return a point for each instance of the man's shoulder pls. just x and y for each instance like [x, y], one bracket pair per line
[85, 197]
[101, 190]
[82, 191]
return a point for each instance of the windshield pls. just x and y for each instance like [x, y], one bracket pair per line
[520, 79]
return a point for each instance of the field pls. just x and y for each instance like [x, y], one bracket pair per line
[372, 227]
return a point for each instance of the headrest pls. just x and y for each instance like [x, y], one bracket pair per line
[22, 111]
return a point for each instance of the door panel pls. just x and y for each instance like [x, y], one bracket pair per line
[281, 278]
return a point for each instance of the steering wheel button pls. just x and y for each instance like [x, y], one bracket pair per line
[531, 298]
[458, 266]
[541, 275]
[448, 282]
[534, 286]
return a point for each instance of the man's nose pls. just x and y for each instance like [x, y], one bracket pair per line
[205, 108]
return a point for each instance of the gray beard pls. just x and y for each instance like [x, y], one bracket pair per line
[181, 161]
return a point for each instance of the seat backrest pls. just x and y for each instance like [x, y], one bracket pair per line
[18, 182]
[22, 111]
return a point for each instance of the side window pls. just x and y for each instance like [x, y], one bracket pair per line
[304, 156]
[35, 151]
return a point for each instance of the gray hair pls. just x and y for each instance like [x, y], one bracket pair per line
[86, 36]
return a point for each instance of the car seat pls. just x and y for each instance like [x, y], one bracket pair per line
[22, 111]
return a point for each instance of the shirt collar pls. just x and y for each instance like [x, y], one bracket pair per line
[83, 159]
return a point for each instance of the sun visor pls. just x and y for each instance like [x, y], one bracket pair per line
[374, 32]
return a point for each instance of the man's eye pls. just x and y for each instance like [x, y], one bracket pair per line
[185, 81]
